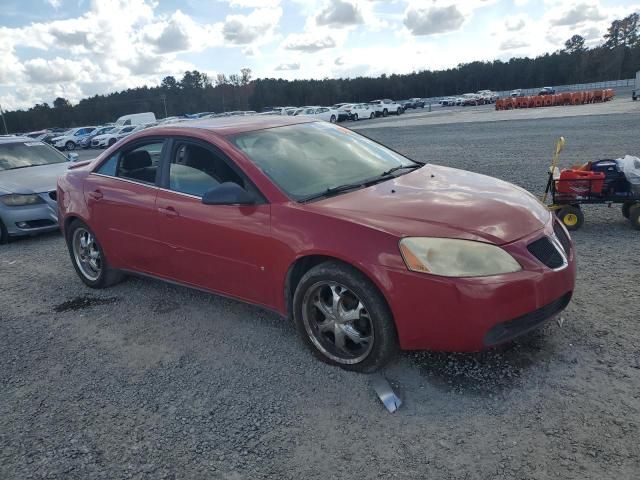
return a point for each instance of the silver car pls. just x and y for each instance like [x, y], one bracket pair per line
[29, 170]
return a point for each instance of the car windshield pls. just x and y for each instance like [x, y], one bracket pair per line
[28, 154]
[305, 160]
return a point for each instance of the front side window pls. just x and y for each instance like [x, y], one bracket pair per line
[305, 160]
[139, 164]
[195, 170]
[28, 154]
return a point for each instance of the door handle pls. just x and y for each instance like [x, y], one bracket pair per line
[169, 212]
[96, 194]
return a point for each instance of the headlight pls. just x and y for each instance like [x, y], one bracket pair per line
[17, 200]
[456, 258]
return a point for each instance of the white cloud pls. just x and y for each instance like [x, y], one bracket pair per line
[430, 20]
[245, 29]
[576, 13]
[340, 13]
[308, 43]
[288, 66]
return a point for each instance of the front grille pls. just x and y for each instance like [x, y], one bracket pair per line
[511, 329]
[563, 237]
[545, 251]
[53, 196]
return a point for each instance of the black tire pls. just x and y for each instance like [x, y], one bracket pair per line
[626, 206]
[112, 141]
[634, 216]
[571, 217]
[332, 119]
[107, 276]
[372, 116]
[70, 145]
[398, 111]
[4, 235]
[355, 117]
[378, 317]
[385, 112]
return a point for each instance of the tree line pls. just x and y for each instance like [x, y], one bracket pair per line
[617, 57]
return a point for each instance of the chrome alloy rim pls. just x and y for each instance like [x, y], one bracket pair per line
[86, 253]
[337, 322]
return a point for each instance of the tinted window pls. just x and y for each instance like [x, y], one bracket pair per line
[28, 154]
[195, 170]
[139, 164]
[306, 159]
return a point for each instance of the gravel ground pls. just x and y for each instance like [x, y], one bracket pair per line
[147, 380]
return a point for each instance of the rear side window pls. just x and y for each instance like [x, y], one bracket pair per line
[139, 164]
[195, 169]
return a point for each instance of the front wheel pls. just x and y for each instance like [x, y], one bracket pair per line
[70, 145]
[385, 112]
[372, 116]
[333, 119]
[4, 236]
[88, 258]
[571, 217]
[634, 216]
[398, 111]
[355, 117]
[342, 317]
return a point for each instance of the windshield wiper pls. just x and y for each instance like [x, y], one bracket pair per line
[364, 183]
[334, 190]
[401, 167]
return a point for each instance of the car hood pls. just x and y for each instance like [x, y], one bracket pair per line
[42, 178]
[443, 202]
[103, 136]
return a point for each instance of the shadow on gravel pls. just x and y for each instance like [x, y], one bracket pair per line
[80, 303]
[483, 373]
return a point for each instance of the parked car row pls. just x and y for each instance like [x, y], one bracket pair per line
[349, 111]
[481, 97]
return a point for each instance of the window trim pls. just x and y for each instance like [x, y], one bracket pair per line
[132, 146]
[175, 141]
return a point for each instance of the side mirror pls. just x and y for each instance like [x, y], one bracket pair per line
[73, 157]
[228, 193]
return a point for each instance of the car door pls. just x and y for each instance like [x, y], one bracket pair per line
[216, 247]
[120, 196]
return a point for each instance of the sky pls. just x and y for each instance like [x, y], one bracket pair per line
[79, 48]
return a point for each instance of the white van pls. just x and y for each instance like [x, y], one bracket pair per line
[136, 119]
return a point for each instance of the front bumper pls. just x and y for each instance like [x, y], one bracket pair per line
[470, 314]
[31, 219]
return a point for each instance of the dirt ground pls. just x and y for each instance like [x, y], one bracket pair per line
[147, 380]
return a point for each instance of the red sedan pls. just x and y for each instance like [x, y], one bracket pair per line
[365, 249]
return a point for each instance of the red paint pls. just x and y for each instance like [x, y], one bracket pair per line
[246, 252]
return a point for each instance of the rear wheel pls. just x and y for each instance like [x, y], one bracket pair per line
[355, 117]
[398, 111]
[571, 217]
[385, 112]
[372, 116]
[112, 141]
[333, 119]
[70, 145]
[88, 258]
[634, 216]
[342, 317]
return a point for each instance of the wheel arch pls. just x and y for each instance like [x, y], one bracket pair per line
[306, 262]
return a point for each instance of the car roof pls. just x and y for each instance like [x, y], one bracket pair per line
[234, 125]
